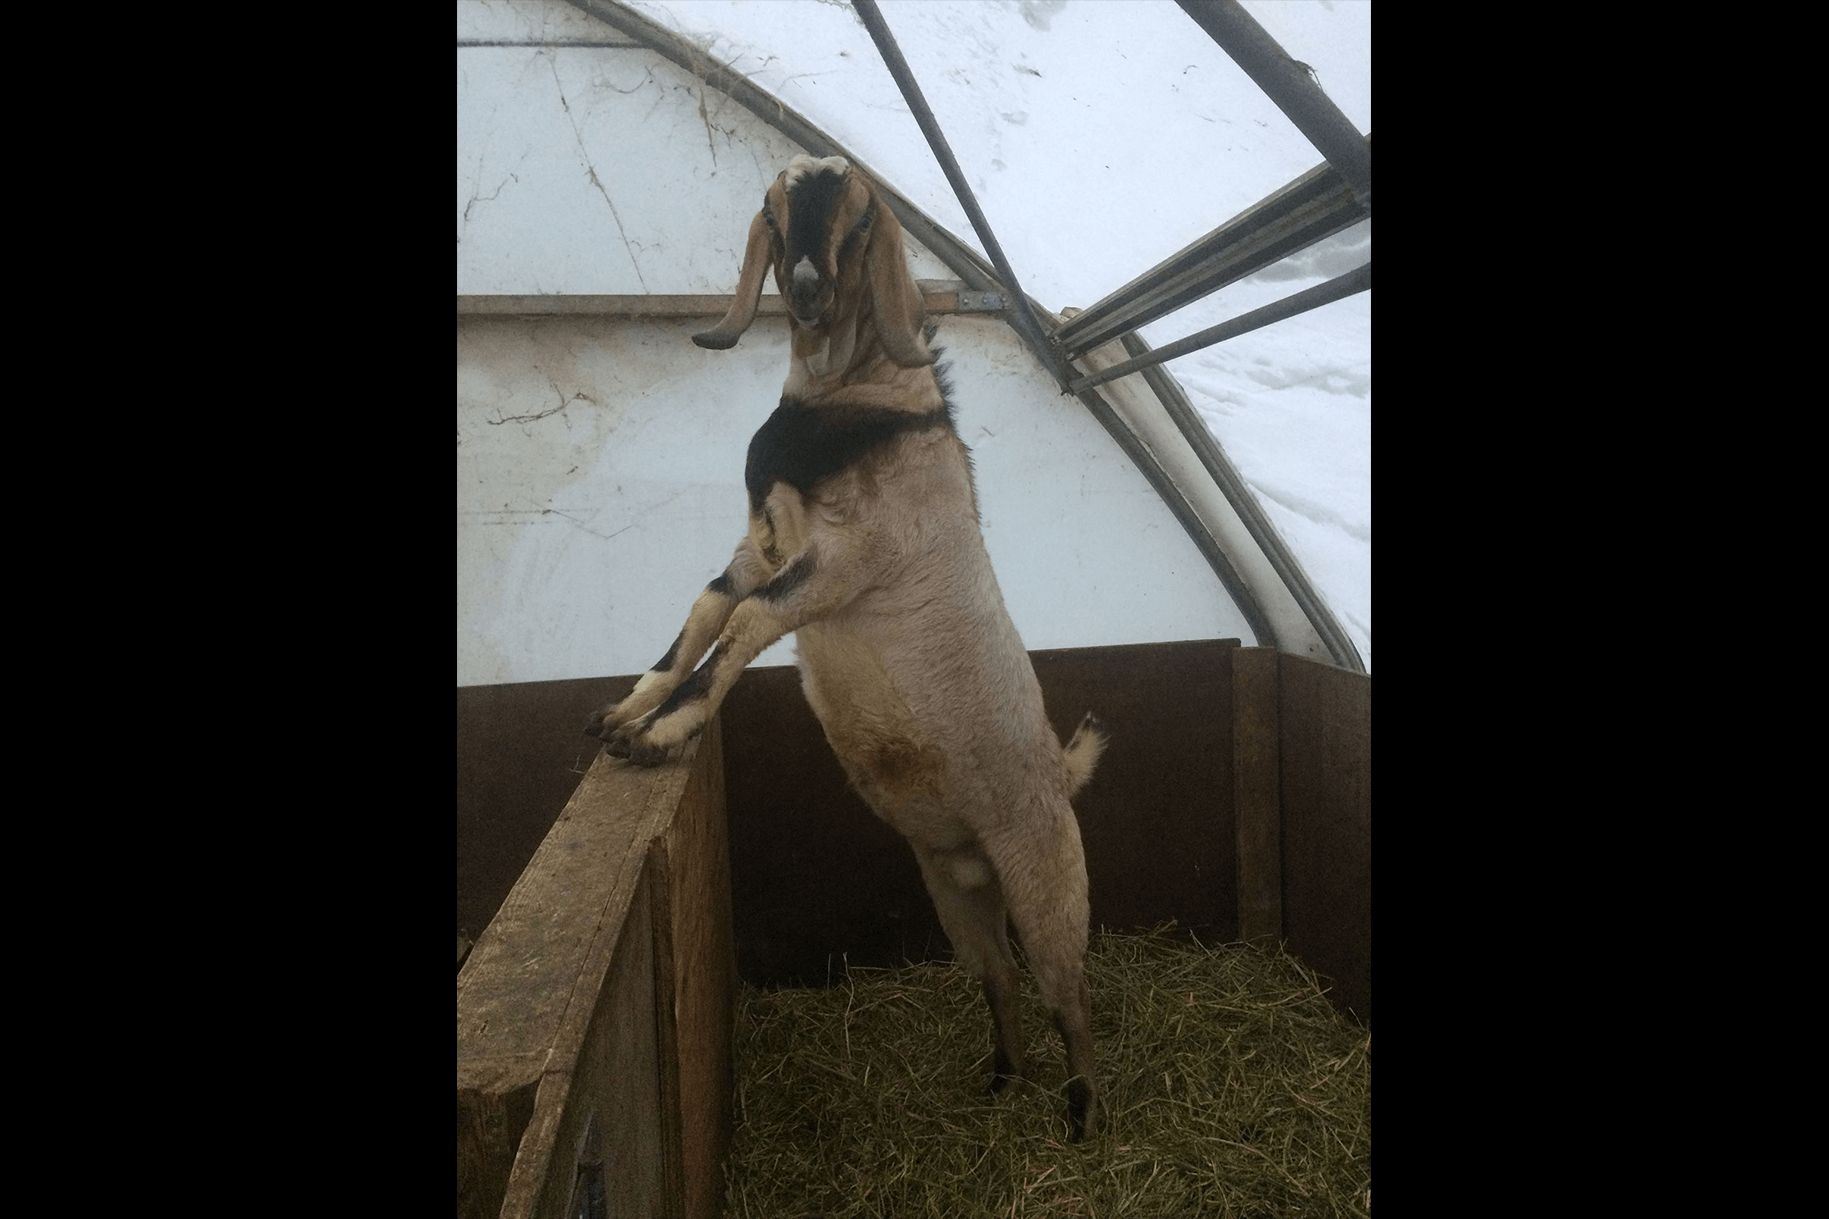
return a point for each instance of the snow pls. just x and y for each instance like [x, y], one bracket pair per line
[1100, 137]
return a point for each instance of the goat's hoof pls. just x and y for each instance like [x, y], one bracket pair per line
[637, 746]
[613, 718]
[602, 722]
[643, 754]
[1082, 1111]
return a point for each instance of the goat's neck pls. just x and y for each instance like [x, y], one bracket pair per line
[868, 377]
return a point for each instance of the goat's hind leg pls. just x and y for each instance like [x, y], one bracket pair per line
[1044, 882]
[710, 611]
[970, 905]
[1073, 1020]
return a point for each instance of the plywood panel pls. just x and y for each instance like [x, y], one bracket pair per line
[813, 875]
[699, 970]
[1326, 761]
[816, 879]
[1256, 789]
[1157, 818]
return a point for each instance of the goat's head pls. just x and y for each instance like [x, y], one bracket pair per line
[836, 249]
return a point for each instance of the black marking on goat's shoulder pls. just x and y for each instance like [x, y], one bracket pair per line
[720, 584]
[803, 445]
[787, 579]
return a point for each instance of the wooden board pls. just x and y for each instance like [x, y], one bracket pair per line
[613, 1085]
[691, 864]
[540, 976]
[1326, 716]
[1256, 794]
[818, 881]
[937, 297]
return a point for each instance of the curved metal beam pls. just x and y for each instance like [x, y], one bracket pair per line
[1231, 483]
[965, 262]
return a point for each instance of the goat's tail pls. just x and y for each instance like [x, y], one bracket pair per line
[1081, 754]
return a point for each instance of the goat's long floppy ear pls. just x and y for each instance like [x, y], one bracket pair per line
[899, 312]
[749, 291]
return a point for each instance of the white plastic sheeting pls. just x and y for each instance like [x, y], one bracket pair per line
[1100, 137]
[600, 462]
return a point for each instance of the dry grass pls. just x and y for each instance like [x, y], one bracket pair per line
[1230, 1088]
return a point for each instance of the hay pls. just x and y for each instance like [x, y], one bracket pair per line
[1230, 1087]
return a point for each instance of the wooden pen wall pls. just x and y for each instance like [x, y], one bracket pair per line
[817, 880]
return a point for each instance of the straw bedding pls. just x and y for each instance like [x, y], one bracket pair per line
[1230, 1087]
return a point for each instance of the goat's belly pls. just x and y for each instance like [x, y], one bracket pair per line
[895, 760]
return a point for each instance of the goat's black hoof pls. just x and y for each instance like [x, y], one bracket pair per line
[1003, 1071]
[1082, 1110]
[639, 752]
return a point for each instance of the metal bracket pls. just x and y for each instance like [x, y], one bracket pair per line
[983, 302]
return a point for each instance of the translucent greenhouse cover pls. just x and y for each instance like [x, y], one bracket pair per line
[1101, 136]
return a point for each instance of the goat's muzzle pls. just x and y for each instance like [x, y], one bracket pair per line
[809, 294]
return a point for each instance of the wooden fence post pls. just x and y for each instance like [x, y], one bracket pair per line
[1256, 787]
[594, 1013]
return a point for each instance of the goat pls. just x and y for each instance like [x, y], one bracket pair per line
[864, 539]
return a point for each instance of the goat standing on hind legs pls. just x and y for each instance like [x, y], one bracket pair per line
[864, 539]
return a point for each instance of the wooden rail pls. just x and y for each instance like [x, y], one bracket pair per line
[593, 1015]
[937, 296]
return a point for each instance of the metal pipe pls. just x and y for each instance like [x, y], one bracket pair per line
[1026, 325]
[1310, 298]
[1287, 83]
[1138, 451]
[1251, 514]
[1313, 207]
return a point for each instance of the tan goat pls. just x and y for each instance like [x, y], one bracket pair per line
[864, 539]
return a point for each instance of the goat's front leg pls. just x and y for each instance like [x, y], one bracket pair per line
[709, 613]
[812, 584]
